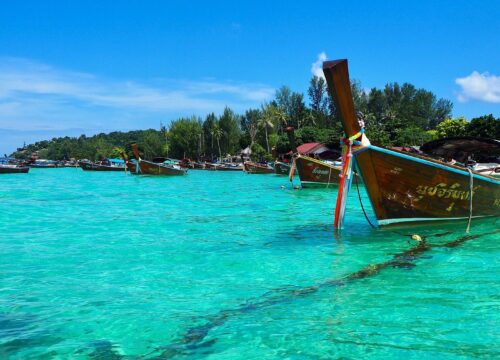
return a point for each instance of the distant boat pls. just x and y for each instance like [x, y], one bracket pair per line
[167, 167]
[104, 165]
[13, 169]
[316, 173]
[132, 166]
[312, 172]
[403, 187]
[281, 168]
[226, 167]
[257, 168]
[480, 154]
[43, 164]
[12, 166]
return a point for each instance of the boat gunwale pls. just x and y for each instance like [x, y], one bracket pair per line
[431, 162]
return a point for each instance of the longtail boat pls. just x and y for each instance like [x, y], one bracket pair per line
[256, 168]
[146, 167]
[315, 173]
[132, 166]
[13, 169]
[104, 165]
[43, 164]
[281, 168]
[312, 172]
[480, 154]
[12, 166]
[226, 167]
[403, 187]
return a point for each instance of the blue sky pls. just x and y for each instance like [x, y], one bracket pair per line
[72, 67]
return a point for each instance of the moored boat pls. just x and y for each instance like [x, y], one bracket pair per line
[257, 168]
[482, 155]
[316, 173]
[12, 166]
[226, 167]
[312, 172]
[281, 168]
[104, 165]
[145, 167]
[43, 164]
[403, 187]
[13, 169]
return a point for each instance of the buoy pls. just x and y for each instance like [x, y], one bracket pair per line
[296, 187]
[282, 187]
[416, 237]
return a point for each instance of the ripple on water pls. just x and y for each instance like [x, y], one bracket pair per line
[229, 265]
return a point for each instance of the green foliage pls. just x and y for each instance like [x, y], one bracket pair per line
[282, 144]
[229, 125]
[318, 95]
[400, 115]
[185, 137]
[210, 143]
[485, 126]
[433, 134]
[273, 140]
[258, 152]
[95, 147]
[412, 136]
[452, 127]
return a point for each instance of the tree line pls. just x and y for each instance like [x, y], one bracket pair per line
[397, 115]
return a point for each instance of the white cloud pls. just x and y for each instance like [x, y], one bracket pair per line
[38, 101]
[317, 66]
[37, 95]
[482, 87]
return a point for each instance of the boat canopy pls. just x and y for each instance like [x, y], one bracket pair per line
[116, 161]
[5, 160]
[461, 148]
[318, 149]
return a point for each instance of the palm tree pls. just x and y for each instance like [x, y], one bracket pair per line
[280, 116]
[252, 131]
[266, 122]
[217, 133]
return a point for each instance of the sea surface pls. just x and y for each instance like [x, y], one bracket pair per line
[228, 265]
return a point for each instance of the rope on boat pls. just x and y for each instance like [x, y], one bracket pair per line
[292, 170]
[361, 202]
[346, 174]
[471, 186]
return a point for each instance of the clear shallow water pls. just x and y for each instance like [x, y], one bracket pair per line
[228, 265]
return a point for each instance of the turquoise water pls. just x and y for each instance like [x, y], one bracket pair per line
[225, 265]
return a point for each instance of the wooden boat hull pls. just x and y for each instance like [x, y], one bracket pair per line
[225, 168]
[35, 166]
[409, 188]
[14, 170]
[281, 168]
[405, 188]
[198, 166]
[88, 166]
[254, 168]
[150, 168]
[316, 173]
[132, 167]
